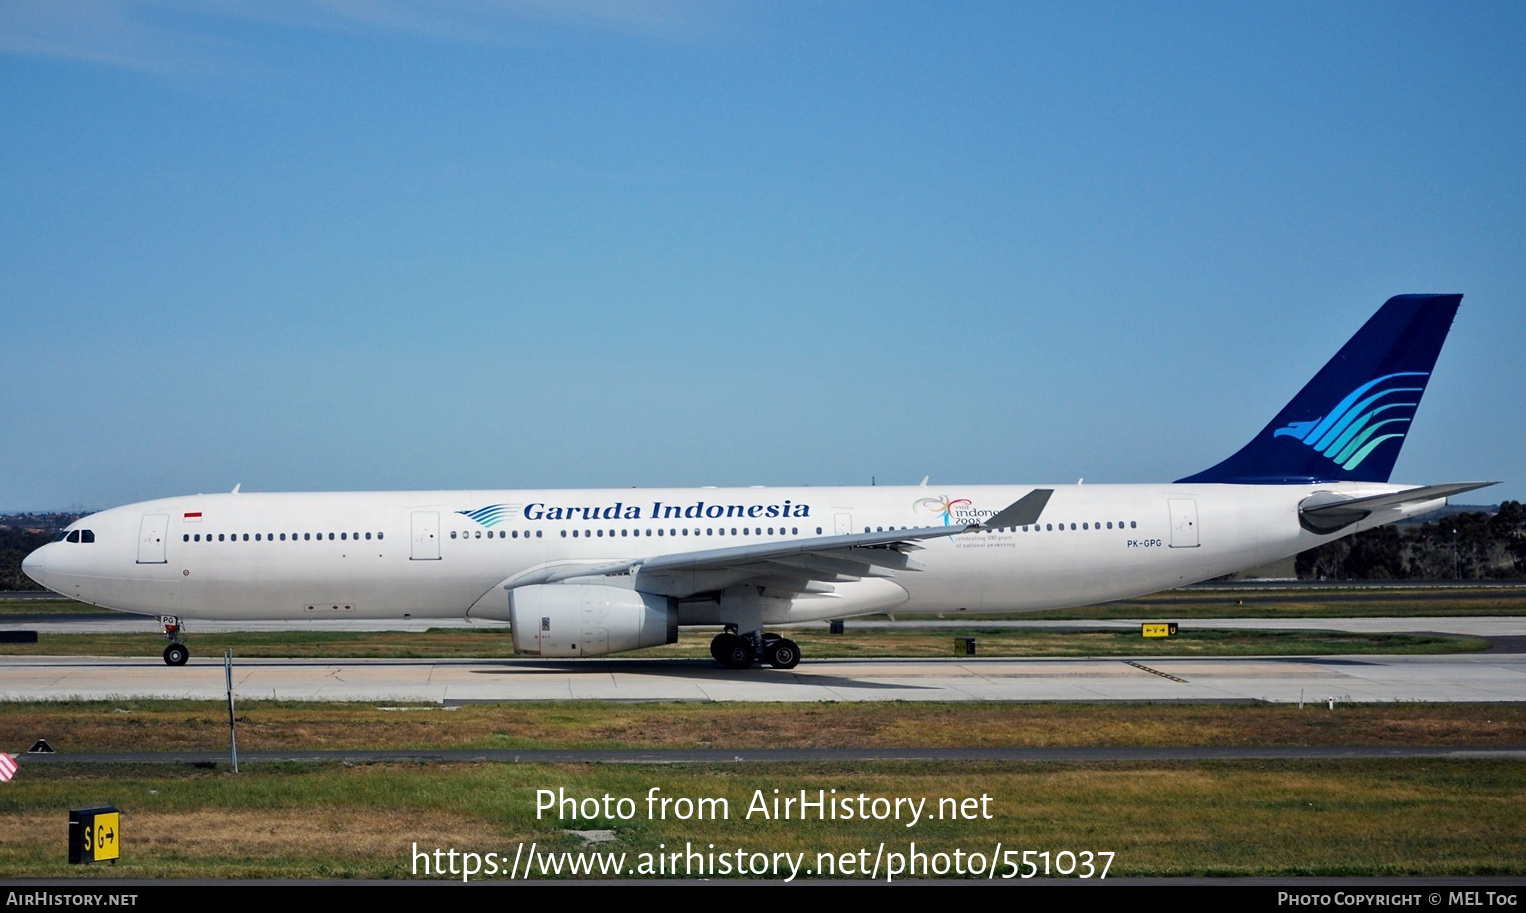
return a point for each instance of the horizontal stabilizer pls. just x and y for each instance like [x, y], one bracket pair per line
[1327, 512]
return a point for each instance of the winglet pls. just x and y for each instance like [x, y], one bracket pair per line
[1022, 512]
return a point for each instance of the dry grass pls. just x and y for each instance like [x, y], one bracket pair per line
[1310, 818]
[148, 725]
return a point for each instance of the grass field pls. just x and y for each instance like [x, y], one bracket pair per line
[1182, 606]
[1424, 818]
[1192, 602]
[1430, 817]
[909, 642]
[1293, 818]
[172, 725]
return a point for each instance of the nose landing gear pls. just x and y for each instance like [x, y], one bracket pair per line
[176, 653]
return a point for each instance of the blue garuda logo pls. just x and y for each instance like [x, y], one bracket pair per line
[1377, 411]
[491, 515]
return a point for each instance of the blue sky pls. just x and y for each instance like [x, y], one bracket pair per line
[475, 244]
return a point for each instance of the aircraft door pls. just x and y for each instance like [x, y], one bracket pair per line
[426, 535]
[151, 538]
[843, 524]
[1183, 522]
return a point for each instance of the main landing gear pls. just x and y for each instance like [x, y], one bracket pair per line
[176, 653]
[735, 651]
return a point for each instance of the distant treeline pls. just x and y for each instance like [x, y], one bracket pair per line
[1477, 545]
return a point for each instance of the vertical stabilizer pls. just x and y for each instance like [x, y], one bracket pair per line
[1348, 423]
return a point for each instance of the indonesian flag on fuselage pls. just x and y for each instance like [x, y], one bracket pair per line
[193, 516]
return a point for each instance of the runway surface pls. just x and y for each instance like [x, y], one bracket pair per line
[1463, 677]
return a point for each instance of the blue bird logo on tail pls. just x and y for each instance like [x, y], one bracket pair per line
[1352, 429]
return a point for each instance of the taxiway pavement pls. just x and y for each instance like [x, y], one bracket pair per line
[1344, 679]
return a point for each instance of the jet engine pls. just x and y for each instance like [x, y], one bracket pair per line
[589, 620]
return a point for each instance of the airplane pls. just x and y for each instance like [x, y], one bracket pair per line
[580, 573]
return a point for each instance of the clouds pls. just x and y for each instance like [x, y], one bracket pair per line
[202, 36]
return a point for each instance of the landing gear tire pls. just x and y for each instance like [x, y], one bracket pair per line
[732, 651]
[176, 655]
[782, 653]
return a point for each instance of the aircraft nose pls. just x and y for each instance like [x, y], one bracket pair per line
[33, 566]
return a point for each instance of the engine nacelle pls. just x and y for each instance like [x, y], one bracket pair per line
[589, 620]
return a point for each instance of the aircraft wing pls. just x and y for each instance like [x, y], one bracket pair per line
[795, 565]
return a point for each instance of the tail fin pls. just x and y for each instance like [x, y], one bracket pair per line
[1347, 424]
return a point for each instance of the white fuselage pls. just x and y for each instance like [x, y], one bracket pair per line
[436, 554]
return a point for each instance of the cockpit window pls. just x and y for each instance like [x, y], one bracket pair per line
[61, 534]
[87, 535]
